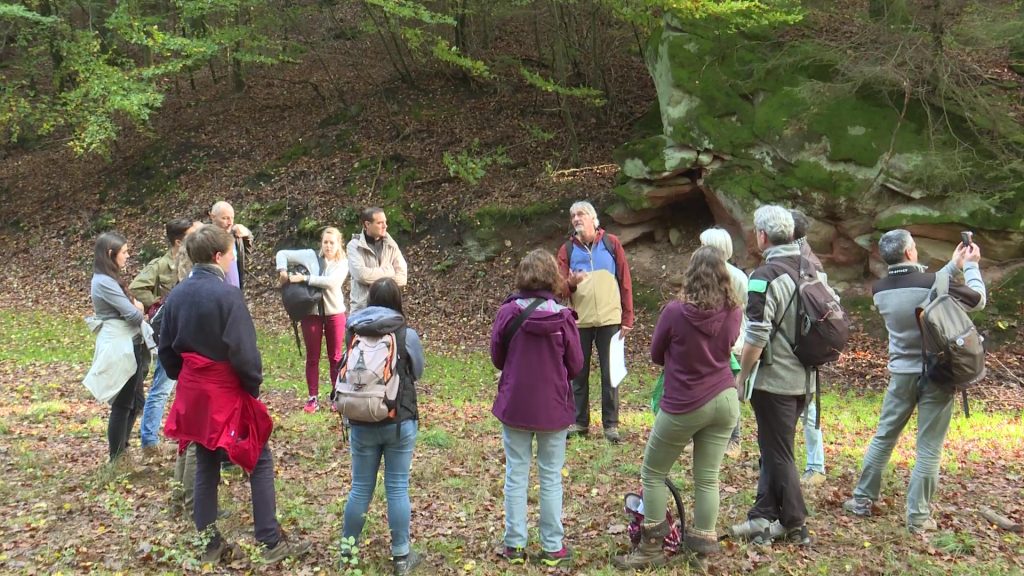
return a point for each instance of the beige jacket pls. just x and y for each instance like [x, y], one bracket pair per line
[365, 268]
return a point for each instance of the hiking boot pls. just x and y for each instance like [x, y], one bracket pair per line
[800, 536]
[312, 405]
[562, 558]
[406, 564]
[733, 449]
[858, 506]
[701, 542]
[812, 478]
[577, 430]
[611, 434]
[649, 553]
[218, 551]
[751, 530]
[285, 548]
[151, 454]
[516, 555]
[928, 525]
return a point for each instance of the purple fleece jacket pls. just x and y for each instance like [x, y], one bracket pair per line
[693, 345]
[537, 365]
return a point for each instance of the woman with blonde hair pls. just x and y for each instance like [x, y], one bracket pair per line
[692, 340]
[329, 326]
[719, 238]
[536, 345]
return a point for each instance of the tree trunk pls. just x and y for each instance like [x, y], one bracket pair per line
[237, 75]
[560, 66]
[60, 79]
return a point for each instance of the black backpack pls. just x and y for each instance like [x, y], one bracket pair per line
[822, 326]
[301, 300]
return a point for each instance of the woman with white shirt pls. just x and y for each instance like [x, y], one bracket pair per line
[720, 239]
[330, 326]
[121, 360]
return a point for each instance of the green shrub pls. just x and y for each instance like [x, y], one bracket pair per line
[470, 165]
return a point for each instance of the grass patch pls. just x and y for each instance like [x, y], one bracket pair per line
[41, 410]
[58, 487]
[39, 337]
[435, 438]
[957, 544]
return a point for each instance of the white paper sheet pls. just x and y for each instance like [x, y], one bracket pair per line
[617, 359]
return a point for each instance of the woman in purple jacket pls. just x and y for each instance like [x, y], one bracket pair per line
[536, 345]
[692, 341]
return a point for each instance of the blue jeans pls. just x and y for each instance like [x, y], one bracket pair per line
[368, 444]
[153, 410]
[550, 458]
[812, 439]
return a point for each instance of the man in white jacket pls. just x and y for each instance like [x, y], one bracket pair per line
[372, 255]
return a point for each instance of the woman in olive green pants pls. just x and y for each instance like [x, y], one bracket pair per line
[692, 340]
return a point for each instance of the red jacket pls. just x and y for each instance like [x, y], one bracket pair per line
[212, 409]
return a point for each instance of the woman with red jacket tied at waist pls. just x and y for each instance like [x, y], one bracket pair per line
[208, 344]
[692, 341]
[535, 344]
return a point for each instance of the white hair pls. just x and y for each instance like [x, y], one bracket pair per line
[587, 208]
[776, 222]
[719, 239]
[219, 206]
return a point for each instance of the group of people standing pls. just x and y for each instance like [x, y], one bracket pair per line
[711, 341]
[206, 343]
[725, 338]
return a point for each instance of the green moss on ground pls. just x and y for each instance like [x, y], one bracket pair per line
[647, 297]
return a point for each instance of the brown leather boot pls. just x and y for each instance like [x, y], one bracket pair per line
[649, 553]
[701, 542]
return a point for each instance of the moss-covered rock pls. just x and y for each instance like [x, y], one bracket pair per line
[642, 195]
[967, 211]
[655, 158]
[756, 121]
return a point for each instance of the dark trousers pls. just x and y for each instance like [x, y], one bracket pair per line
[602, 336]
[261, 483]
[127, 405]
[778, 489]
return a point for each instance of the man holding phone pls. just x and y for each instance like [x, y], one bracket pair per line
[896, 296]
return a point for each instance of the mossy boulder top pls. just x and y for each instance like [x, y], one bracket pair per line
[749, 120]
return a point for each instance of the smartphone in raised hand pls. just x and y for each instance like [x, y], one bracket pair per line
[966, 238]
